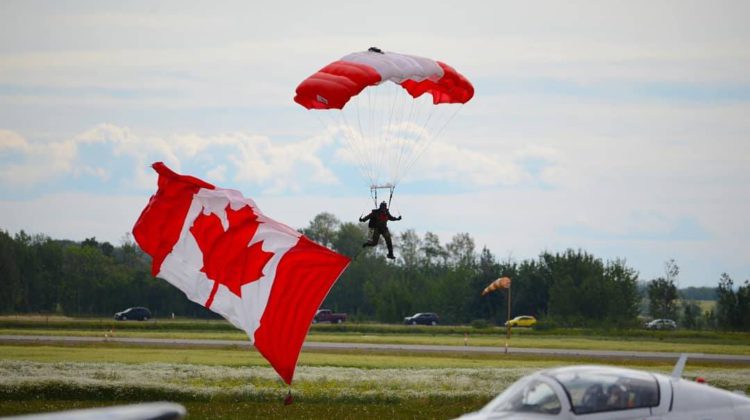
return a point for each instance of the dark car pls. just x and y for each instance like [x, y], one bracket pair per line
[137, 314]
[423, 318]
[327, 315]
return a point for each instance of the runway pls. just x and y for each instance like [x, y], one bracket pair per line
[366, 347]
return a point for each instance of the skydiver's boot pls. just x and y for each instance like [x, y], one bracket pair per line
[389, 244]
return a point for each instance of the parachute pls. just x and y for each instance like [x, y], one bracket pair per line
[386, 127]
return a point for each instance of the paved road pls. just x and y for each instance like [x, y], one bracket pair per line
[410, 348]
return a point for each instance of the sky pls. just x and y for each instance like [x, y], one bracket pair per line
[617, 128]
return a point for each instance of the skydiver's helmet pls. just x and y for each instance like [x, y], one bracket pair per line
[383, 206]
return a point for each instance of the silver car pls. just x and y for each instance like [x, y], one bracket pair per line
[661, 324]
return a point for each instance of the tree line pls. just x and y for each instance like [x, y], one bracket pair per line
[568, 288]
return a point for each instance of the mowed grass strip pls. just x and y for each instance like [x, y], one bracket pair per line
[662, 343]
[235, 374]
[110, 352]
[236, 357]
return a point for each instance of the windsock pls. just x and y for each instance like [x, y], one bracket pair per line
[501, 283]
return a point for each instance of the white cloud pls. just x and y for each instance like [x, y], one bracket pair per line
[10, 141]
[275, 166]
[73, 215]
[41, 162]
[565, 144]
[218, 173]
[218, 59]
[255, 158]
[446, 162]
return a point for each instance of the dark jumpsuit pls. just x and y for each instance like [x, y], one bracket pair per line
[379, 223]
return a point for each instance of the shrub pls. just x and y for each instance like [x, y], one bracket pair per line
[545, 325]
[479, 324]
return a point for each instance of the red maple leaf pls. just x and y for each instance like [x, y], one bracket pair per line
[227, 259]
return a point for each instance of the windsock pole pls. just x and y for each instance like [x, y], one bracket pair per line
[507, 323]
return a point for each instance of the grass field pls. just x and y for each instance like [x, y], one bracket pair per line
[227, 383]
[221, 381]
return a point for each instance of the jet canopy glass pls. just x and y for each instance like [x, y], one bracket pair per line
[605, 389]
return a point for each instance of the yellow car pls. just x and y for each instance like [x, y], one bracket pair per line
[522, 321]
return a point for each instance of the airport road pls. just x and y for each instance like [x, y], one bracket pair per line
[365, 347]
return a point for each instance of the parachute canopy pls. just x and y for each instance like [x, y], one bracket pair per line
[333, 85]
[385, 126]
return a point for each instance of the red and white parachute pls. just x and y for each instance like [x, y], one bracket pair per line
[386, 126]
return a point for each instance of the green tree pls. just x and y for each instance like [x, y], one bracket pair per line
[691, 315]
[410, 246]
[662, 293]
[10, 275]
[434, 253]
[622, 293]
[43, 284]
[349, 238]
[461, 250]
[733, 306]
[323, 229]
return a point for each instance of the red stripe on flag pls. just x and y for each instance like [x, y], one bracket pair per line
[210, 299]
[304, 277]
[158, 228]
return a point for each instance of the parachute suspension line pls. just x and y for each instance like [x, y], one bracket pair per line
[385, 157]
[374, 193]
[391, 99]
[371, 103]
[351, 143]
[431, 139]
[410, 141]
[418, 140]
[354, 145]
[361, 143]
[396, 132]
[375, 140]
[403, 139]
[337, 123]
[404, 134]
[359, 120]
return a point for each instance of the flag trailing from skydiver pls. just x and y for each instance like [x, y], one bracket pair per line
[501, 283]
[225, 254]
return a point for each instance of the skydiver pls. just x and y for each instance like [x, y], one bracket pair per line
[379, 218]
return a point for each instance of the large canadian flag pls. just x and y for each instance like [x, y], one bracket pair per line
[225, 254]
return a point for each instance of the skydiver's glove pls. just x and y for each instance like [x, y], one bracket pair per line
[361, 219]
[399, 218]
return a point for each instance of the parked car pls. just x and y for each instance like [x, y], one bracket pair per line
[522, 321]
[661, 324]
[137, 313]
[327, 315]
[423, 318]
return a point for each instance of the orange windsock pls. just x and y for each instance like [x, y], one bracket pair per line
[501, 283]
